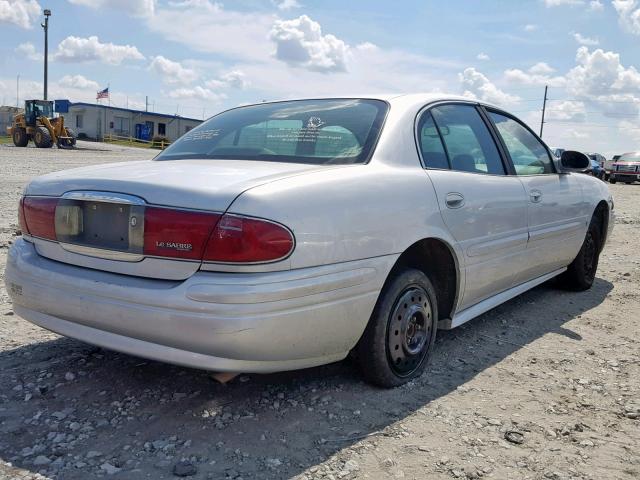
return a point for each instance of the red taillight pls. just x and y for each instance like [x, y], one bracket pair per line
[239, 239]
[177, 233]
[40, 216]
[21, 220]
[184, 234]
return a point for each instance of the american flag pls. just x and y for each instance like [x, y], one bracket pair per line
[103, 94]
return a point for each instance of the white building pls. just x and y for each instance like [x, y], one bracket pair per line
[6, 117]
[97, 121]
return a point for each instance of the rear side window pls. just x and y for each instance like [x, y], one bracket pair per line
[528, 154]
[468, 143]
[318, 132]
[433, 153]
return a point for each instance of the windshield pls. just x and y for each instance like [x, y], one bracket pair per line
[305, 131]
[630, 157]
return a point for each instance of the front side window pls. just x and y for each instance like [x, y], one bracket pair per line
[468, 142]
[528, 154]
[339, 131]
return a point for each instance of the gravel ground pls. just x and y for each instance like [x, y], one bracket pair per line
[543, 387]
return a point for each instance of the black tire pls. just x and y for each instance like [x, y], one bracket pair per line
[74, 136]
[399, 338]
[582, 271]
[41, 138]
[612, 180]
[72, 141]
[20, 137]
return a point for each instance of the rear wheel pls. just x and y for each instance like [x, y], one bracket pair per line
[612, 180]
[582, 271]
[41, 138]
[20, 137]
[399, 338]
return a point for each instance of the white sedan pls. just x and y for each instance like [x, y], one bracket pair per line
[288, 234]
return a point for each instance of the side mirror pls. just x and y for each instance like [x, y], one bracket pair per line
[572, 161]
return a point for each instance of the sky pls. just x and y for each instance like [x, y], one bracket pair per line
[196, 58]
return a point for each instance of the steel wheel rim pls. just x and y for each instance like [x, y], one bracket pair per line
[409, 331]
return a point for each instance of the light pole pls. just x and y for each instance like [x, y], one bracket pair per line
[45, 25]
[18, 91]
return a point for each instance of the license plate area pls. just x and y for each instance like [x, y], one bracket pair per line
[90, 226]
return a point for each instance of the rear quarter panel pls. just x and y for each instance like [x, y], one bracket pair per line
[349, 214]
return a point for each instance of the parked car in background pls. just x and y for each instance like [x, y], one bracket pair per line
[608, 165]
[626, 168]
[285, 235]
[557, 152]
[596, 168]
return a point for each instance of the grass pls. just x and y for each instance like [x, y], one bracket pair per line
[5, 139]
[126, 143]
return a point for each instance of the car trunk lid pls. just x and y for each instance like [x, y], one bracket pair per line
[99, 217]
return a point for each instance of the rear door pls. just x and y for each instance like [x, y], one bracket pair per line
[557, 225]
[484, 208]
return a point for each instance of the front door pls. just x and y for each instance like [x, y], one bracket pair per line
[557, 225]
[484, 209]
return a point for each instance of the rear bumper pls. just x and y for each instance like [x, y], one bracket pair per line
[260, 322]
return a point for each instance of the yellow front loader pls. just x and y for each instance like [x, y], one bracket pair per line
[38, 124]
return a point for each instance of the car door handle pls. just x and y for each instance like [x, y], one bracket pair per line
[454, 200]
[535, 195]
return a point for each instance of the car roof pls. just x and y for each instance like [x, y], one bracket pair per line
[407, 100]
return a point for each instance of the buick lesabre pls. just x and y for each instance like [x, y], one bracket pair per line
[289, 234]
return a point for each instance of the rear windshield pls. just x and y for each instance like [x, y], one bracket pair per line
[305, 131]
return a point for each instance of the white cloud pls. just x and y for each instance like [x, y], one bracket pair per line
[233, 79]
[601, 73]
[172, 73]
[285, 5]
[541, 68]
[78, 49]
[136, 8]
[19, 12]
[538, 74]
[29, 51]
[600, 77]
[585, 40]
[530, 27]
[208, 27]
[557, 3]
[477, 85]
[300, 42]
[78, 81]
[568, 110]
[628, 14]
[483, 56]
[196, 93]
[595, 5]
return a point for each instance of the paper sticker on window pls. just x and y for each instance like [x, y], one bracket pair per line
[314, 122]
[201, 134]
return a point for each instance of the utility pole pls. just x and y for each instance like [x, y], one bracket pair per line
[18, 91]
[544, 107]
[146, 103]
[45, 25]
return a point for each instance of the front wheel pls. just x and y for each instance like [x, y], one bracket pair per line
[612, 180]
[399, 338]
